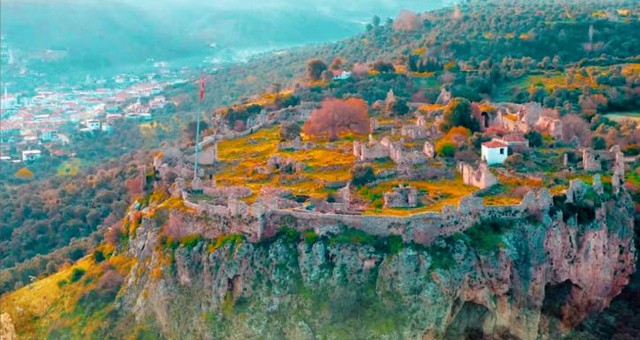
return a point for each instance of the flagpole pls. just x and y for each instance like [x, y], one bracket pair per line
[195, 167]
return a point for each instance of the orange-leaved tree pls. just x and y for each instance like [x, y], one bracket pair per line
[24, 173]
[407, 21]
[337, 115]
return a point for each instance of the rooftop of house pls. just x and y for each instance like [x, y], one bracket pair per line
[494, 145]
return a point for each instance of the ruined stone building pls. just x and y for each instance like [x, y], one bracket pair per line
[523, 118]
[481, 177]
[413, 132]
[401, 197]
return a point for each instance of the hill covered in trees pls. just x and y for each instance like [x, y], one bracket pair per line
[481, 47]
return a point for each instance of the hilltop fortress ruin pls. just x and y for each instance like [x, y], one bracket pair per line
[274, 208]
[227, 210]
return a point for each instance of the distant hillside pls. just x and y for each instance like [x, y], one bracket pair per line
[91, 36]
[480, 35]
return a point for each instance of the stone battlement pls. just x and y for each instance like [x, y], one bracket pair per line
[262, 220]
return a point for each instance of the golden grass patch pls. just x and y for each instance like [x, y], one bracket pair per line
[442, 192]
[326, 162]
[430, 107]
[519, 181]
[422, 74]
[501, 200]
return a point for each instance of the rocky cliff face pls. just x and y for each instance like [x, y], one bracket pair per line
[531, 278]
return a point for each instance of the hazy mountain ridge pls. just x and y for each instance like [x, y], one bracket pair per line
[97, 35]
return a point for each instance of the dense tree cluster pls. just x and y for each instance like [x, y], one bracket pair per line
[458, 113]
[48, 214]
[315, 68]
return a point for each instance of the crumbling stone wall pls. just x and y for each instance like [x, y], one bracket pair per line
[429, 150]
[295, 144]
[413, 131]
[421, 228]
[592, 160]
[550, 126]
[387, 148]
[263, 218]
[444, 97]
[370, 151]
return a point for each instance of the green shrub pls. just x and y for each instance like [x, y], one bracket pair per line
[289, 234]
[441, 258]
[77, 274]
[76, 253]
[354, 237]
[447, 150]
[458, 113]
[191, 241]
[486, 235]
[362, 174]
[310, 236]
[598, 143]
[395, 244]
[98, 256]
[94, 300]
[514, 161]
[535, 138]
[584, 211]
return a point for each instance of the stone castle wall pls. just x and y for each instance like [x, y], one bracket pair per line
[258, 221]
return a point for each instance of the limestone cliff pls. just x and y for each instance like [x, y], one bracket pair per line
[533, 277]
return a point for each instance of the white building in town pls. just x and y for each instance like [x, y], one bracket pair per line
[93, 124]
[31, 155]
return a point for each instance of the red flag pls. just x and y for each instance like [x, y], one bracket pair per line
[202, 88]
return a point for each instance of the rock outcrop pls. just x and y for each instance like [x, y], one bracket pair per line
[7, 331]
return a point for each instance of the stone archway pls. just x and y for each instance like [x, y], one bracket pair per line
[485, 119]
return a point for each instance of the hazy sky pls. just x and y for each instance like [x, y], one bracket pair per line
[334, 5]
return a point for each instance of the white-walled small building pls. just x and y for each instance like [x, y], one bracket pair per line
[49, 136]
[107, 128]
[93, 124]
[494, 152]
[31, 155]
[341, 75]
